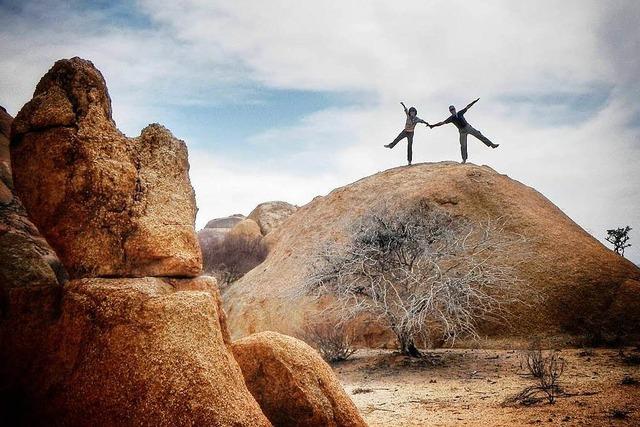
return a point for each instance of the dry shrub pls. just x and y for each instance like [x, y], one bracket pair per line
[533, 360]
[233, 256]
[546, 369]
[332, 339]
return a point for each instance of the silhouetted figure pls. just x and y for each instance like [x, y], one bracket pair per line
[407, 132]
[457, 118]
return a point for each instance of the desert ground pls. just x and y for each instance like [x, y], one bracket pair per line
[468, 387]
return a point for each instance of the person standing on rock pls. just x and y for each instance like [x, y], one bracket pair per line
[457, 118]
[407, 132]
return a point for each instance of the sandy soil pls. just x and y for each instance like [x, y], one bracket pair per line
[468, 387]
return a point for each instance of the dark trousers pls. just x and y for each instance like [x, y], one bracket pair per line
[470, 130]
[409, 136]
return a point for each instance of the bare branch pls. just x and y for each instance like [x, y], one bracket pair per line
[419, 270]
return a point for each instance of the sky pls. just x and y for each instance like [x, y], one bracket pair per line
[285, 100]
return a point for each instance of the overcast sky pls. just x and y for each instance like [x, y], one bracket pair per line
[286, 100]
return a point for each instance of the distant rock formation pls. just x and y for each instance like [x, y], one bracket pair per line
[212, 235]
[292, 384]
[587, 286]
[226, 223]
[270, 215]
[254, 229]
[109, 205]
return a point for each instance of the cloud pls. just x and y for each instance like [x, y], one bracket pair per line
[376, 45]
[558, 82]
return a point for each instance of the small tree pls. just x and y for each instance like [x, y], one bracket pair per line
[418, 270]
[619, 237]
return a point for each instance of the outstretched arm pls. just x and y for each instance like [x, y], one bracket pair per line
[438, 124]
[405, 107]
[464, 110]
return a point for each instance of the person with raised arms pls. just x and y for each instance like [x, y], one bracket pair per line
[464, 128]
[407, 132]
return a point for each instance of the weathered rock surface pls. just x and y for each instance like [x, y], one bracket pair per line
[143, 351]
[270, 215]
[109, 205]
[292, 384]
[583, 281]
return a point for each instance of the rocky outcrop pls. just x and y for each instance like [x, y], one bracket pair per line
[292, 384]
[584, 282]
[109, 205]
[144, 351]
[107, 351]
[270, 215]
[115, 350]
[208, 238]
[260, 223]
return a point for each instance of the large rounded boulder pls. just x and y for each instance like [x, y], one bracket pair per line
[292, 384]
[575, 285]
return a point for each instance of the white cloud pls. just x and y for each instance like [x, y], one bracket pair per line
[428, 53]
[431, 46]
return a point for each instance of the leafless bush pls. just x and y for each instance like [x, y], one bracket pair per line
[332, 339]
[547, 383]
[418, 270]
[233, 256]
[533, 360]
